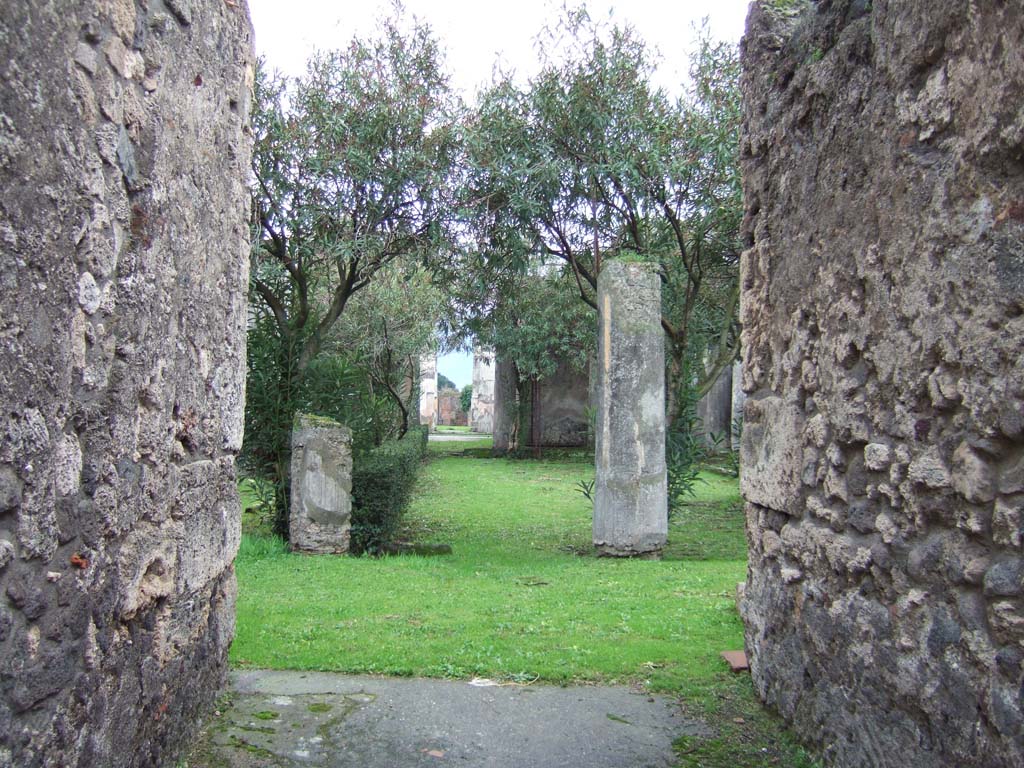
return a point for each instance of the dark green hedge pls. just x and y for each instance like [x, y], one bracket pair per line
[382, 481]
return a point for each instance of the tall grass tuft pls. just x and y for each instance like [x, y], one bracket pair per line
[257, 547]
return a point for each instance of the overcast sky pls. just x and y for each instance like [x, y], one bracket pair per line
[477, 34]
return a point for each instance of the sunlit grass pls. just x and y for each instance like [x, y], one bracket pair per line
[521, 597]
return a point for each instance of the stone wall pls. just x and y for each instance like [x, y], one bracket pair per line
[124, 151]
[715, 411]
[506, 408]
[563, 399]
[883, 314]
[739, 398]
[449, 409]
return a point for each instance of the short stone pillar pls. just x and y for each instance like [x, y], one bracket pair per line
[321, 498]
[631, 490]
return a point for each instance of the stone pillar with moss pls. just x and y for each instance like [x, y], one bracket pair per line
[321, 475]
[630, 491]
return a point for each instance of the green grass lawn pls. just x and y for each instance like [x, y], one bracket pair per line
[521, 598]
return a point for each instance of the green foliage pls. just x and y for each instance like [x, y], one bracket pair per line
[534, 321]
[443, 382]
[261, 547]
[586, 488]
[685, 450]
[466, 398]
[540, 324]
[787, 7]
[382, 481]
[350, 168]
[590, 162]
[383, 332]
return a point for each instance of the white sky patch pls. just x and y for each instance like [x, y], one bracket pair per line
[457, 366]
[477, 35]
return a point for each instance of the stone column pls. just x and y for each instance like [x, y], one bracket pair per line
[630, 493]
[504, 404]
[428, 391]
[713, 409]
[481, 412]
[321, 474]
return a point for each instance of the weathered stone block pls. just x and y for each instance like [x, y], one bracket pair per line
[929, 470]
[771, 450]
[321, 480]
[973, 476]
[1005, 579]
[1008, 522]
[630, 491]
[877, 456]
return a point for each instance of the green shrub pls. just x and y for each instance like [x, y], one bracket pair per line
[685, 449]
[382, 481]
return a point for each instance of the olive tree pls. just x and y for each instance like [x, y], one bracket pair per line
[383, 332]
[591, 162]
[351, 169]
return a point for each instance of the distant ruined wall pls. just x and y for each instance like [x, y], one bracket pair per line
[449, 409]
[506, 408]
[883, 316]
[124, 151]
[564, 396]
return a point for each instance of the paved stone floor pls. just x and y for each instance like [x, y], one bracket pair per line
[296, 719]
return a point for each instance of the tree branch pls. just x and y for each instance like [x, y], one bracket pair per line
[275, 305]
